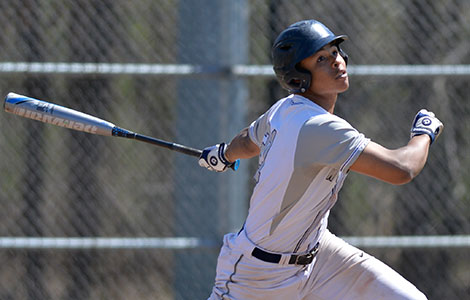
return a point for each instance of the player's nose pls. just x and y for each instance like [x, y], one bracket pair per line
[337, 59]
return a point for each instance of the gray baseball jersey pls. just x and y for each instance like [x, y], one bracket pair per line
[304, 158]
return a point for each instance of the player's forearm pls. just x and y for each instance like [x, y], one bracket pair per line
[398, 166]
[241, 147]
[414, 155]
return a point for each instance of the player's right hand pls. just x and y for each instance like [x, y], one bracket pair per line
[425, 122]
[213, 158]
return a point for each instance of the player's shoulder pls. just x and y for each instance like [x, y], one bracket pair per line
[295, 105]
[327, 126]
[327, 120]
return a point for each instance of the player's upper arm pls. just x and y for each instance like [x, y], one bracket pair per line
[258, 129]
[241, 147]
[396, 166]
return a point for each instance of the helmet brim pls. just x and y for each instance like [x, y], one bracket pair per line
[336, 40]
[309, 49]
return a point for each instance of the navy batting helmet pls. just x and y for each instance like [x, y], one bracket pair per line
[298, 41]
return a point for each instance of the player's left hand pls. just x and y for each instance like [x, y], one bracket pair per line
[213, 158]
[425, 122]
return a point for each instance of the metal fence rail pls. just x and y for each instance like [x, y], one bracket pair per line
[237, 70]
[105, 243]
[191, 242]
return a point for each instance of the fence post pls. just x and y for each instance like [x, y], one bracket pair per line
[210, 109]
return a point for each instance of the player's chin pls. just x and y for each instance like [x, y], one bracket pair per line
[343, 85]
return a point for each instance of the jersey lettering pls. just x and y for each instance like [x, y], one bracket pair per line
[268, 140]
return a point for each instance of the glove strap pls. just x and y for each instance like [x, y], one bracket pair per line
[233, 165]
[221, 153]
[422, 131]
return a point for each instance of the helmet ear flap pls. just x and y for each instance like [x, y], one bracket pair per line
[297, 80]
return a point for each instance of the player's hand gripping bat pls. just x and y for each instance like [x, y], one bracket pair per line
[65, 117]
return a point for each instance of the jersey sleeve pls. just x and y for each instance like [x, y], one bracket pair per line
[329, 140]
[257, 129]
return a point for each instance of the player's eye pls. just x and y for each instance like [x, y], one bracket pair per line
[321, 58]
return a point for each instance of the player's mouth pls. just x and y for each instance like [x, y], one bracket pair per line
[342, 74]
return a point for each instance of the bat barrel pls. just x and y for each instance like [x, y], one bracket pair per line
[46, 112]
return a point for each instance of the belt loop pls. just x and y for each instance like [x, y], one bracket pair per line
[284, 259]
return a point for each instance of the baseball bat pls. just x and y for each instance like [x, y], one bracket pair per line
[46, 112]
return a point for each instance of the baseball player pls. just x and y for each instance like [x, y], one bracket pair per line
[285, 250]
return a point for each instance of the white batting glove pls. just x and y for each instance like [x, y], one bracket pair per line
[213, 158]
[425, 122]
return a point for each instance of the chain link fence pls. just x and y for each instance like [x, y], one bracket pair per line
[91, 217]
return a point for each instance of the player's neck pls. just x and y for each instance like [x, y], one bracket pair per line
[326, 101]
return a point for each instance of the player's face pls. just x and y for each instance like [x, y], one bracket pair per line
[328, 70]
